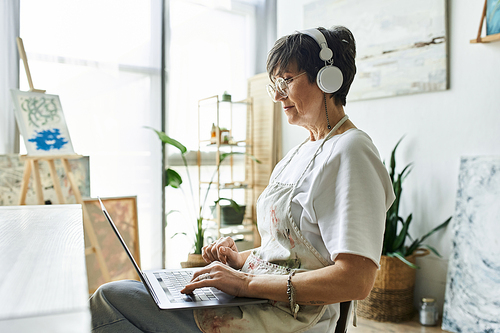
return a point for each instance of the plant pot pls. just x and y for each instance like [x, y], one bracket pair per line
[194, 260]
[229, 216]
[391, 298]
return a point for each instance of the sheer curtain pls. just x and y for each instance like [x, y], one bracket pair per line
[103, 59]
[9, 69]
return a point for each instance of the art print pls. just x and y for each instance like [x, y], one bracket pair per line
[473, 283]
[123, 210]
[41, 122]
[493, 17]
[401, 46]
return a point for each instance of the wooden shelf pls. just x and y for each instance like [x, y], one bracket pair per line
[486, 39]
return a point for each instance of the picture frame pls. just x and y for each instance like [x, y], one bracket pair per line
[123, 211]
[42, 124]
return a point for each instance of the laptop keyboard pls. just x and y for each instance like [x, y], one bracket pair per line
[173, 282]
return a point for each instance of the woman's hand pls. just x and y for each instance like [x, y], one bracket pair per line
[220, 276]
[225, 251]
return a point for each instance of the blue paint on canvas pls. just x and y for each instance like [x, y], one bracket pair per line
[49, 140]
[493, 17]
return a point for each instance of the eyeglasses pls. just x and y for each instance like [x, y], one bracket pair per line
[281, 86]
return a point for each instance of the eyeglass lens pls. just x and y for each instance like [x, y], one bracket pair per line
[281, 86]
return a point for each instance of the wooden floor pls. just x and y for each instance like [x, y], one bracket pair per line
[413, 326]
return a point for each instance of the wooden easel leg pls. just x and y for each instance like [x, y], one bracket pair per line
[55, 180]
[86, 222]
[25, 182]
[38, 182]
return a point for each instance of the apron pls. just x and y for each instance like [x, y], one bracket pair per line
[283, 248]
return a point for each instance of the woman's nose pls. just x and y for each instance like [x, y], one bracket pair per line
[278, 97]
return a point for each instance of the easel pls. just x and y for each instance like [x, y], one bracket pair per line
[31, 165]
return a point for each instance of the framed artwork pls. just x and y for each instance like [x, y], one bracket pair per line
[11, 176]
[41, 123]
[401, 46]
[473, 286]
[493, 17]
[123, 211]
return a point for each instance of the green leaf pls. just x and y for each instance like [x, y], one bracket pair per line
[442, 225]
[167, 214]
[391, 223]
[403, 259]
[199, 236]
[433, 250]
[172, 178]
[233, 203]
[168, 140]
[418, 242]
[402, 175]
[400, 239]
[413, 247]
[393, 159]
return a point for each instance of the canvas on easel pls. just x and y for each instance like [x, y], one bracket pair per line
[41, 122]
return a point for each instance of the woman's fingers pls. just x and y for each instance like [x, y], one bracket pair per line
[217, 251]
[219, 276]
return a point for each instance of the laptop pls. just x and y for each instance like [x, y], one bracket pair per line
[164, 285]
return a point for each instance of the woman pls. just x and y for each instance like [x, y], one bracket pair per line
[321, 218]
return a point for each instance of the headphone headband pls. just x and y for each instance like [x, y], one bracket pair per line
[325, 54]
[329, 78]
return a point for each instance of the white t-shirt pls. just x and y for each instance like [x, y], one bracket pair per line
[341, 202]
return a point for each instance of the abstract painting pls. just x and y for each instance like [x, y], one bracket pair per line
[472, 298]
[11, 176]
[123, 211]
[401, 45]
[493, 17]
[42, 124]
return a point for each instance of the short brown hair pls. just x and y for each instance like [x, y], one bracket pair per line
[303, 50]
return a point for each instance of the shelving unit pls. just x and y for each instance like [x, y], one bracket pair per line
[232, 178]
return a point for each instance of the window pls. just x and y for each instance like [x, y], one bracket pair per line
[102, 57]
[212, 50]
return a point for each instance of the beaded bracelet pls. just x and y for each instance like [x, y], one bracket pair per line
[290, 290]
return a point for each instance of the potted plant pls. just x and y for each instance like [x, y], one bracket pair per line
[391, 298]
[173, 179]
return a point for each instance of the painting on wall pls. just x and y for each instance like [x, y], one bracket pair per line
[41, 122]
[401, 46]
[123, 211]
[473, 285]
[11, 176]
[493, 17]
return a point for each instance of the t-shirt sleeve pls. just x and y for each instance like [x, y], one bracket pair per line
[352, 195]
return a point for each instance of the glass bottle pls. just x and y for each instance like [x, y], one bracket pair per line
[428, 312]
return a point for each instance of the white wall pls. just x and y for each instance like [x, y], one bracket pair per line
[440, 127]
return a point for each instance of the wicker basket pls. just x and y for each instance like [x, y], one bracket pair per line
[194, 260]
[391, 298]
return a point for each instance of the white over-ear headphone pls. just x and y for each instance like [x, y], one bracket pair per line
[329, 78]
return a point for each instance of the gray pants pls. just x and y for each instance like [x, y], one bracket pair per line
[126, 307]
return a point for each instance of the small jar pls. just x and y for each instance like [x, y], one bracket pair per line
[428, 312]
